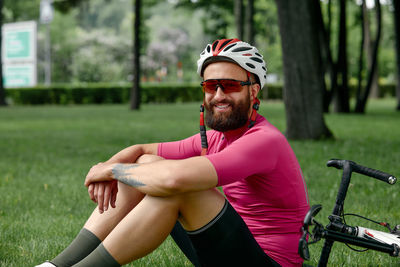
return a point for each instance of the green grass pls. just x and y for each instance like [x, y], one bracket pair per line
[46, 151]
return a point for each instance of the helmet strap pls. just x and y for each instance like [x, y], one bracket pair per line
[255, 107]
[203, 134]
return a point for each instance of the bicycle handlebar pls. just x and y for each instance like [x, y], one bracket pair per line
[336, 230]
[338, 164]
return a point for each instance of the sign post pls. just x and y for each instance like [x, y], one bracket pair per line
[46, 16]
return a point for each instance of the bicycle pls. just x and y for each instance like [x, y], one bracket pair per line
[337, 229]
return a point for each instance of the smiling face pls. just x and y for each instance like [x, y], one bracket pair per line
[228, 111]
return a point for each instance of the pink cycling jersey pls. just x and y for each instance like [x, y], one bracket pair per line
[262, 180]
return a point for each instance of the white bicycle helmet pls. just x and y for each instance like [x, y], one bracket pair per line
[236, 51]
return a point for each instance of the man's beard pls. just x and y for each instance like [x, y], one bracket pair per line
[226, 121]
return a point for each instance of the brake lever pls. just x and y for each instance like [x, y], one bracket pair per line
[308, 221]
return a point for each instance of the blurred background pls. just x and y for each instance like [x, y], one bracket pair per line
[97, 41]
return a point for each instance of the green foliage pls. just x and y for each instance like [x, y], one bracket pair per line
[103, 93]
[66, 6]
[46, 152]
[20, 10]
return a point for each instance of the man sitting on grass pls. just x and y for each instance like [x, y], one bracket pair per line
[154, 189]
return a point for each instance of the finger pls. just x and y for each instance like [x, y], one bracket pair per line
[87, 180]
[100, 197]
[107, 192]
[91, 192]
[114, 194]
[95, 191]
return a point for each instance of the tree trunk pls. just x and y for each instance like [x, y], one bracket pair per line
[303, 80]
[238, 9]
[2, 90]
[396, 15]
[326, 54]
[135, 92]
[369, 48]
[361, 56]
[341, 95]
[249, 33]
[362, 101]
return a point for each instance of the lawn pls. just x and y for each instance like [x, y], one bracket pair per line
[46, 152]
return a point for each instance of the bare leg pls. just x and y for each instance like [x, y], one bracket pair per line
[151, 221]
[101, 224]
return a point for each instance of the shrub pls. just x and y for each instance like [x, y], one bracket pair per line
[99, 93]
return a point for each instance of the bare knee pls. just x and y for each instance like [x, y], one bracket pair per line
[199, 208]
[147, 158]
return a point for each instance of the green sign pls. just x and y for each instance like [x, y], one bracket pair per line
[19, 54]
[18, 45]
[18, 76]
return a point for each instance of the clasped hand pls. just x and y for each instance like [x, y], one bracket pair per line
[102, 188]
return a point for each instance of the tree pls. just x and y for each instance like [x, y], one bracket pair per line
[396, 14]
[249, 32]
[369, 48]
[244, 20]
[362, 97]
[329, 67]
[238, 8]
[2, 90]
[303, 79]
[341, 94]
[20, 10]
[135, 91]
[218, 14]
[362, 46]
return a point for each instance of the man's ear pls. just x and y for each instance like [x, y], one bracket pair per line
[254, 89]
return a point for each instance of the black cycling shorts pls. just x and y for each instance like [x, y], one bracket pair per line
[225, 241]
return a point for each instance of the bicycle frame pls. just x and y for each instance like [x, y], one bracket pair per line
[336, 230]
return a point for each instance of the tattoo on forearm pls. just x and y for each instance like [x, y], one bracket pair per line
[120, 172]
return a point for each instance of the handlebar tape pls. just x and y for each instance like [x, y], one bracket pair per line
[380, 175]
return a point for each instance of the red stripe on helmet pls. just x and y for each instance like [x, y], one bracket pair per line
[219, 45]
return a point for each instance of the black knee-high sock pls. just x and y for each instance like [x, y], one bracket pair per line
[84, 243]
[100, 257]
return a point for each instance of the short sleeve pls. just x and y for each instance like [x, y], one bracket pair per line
[189, 147]
[256, 152]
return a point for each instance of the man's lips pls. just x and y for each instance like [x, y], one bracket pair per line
[222, 106]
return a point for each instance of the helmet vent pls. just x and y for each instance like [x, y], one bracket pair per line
[250, 65]
[264, 68]
[258, 54]
[256, 59]
[240, 49]
[208, 49]
[214, 45]
[226, 42]
[229, 47]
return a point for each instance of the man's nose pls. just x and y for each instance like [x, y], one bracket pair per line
[219, 93]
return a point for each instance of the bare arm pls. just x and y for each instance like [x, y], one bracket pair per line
[162, 178]
[105, 193]
[130, 154]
